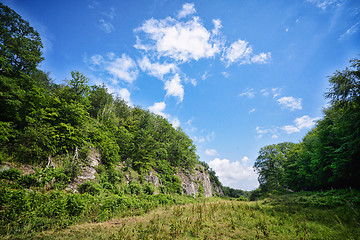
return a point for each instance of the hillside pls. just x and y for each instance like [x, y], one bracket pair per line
[72, 152]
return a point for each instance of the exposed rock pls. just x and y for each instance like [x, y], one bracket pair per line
[87, 171]
[153, 178]
[191, 181]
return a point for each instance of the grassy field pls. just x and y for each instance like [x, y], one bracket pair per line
[293, 216]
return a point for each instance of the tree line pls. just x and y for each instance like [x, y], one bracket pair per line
[41, 119]
[329, 155]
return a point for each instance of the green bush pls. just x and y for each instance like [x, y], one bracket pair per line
[11, 174]
[75, 204]
[89, 187]
[135, 187]
[149, 188]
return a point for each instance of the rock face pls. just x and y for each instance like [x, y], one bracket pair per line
[196, 182]
[87, 172]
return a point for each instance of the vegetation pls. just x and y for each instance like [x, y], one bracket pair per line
[328, 156]
[48, 130]
[330, 215]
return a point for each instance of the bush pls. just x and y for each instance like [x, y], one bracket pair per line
[149, 188]
[75, 204]
[89, 187]
[11, 174]
[135, 188]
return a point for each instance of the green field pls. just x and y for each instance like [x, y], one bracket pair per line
[328, 215]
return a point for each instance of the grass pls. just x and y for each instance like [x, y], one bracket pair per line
[292, 216]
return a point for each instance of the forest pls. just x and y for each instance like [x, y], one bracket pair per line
[328, 157]
[52, 128]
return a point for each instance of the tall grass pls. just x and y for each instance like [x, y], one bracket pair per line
[279, 217]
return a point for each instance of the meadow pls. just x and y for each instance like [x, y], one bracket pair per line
[322, 215]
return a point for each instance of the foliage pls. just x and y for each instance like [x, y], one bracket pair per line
[280, 217]
[20, 44]
[328, 156]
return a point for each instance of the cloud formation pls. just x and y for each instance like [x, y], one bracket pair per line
[301, 123]
[123, 68]
[157, 70]
[211, 152]
[235, 174]
[187, 9]
[242, 53]
[290, 102]
[175, 88]
[158, 108]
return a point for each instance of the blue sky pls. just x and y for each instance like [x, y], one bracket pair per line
[234, 75]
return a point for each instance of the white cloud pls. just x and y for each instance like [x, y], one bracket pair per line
[123, 68]
[244, 160]
[234, 174]
[323, 4]
[276, 92]
[96, 60]
[261, 58]
[181, 41]
[290, 102]
[211, 152]
[248, 93]
[226, 74]
[175, 122]
[238, 51]
[241, 52]
[174, 88]
[187, 9]
[262, 131]
[301, 123]
[205, 75]
[290, 129]
[107, 27]
[158, 109]
[217, 26]
[264, 92]
[157, 70]
[121, 92]
[252, 110]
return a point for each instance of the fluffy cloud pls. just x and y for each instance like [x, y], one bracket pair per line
[290, 102]
[262, 131]
[211, 152]
[121, 92]
[300, 123]
[175, 88]
[180, 41]
[235, 174]
[158, 108]
[187, 9]
[157, 70]
[290, 129]
[217, 26]
[241, 52]
[123, 68]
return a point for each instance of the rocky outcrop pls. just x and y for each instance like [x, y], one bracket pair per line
[196, 182]
[87, 171]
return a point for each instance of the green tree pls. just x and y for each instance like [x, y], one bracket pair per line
[270, 165]
[20, 44]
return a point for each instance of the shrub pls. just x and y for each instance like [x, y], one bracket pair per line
[135, 188]
[89, 187]
[75, 204]
[12, 174]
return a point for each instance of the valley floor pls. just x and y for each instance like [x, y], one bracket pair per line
[278, 217]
